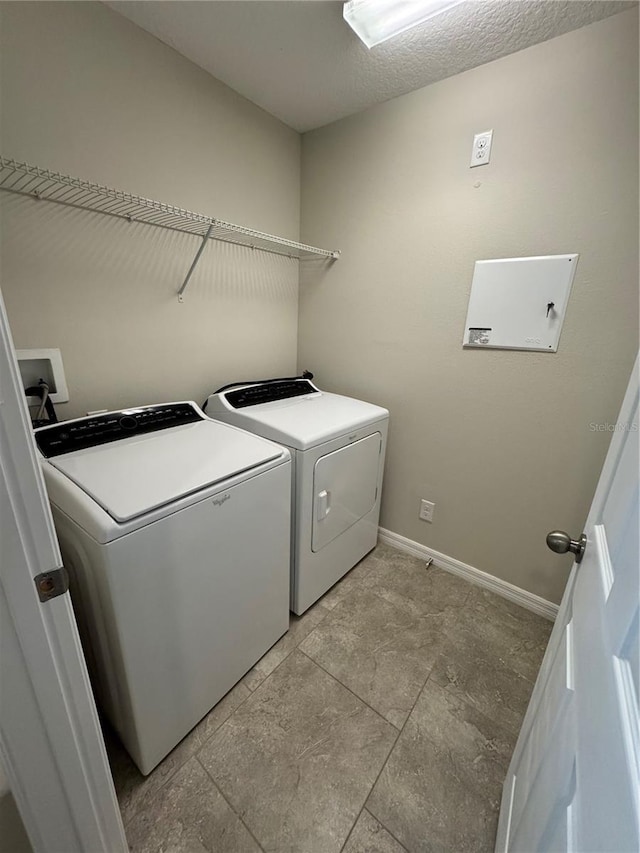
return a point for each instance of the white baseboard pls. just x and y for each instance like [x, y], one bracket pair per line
[507, 590]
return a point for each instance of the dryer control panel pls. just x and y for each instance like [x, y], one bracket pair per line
[79, 434]
[268, 392]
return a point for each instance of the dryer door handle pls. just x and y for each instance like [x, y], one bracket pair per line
[323, 507]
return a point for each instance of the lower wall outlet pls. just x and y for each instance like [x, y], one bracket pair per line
[426, 510]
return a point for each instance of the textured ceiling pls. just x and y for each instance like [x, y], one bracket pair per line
[299, 60]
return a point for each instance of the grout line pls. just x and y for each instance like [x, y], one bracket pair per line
[386, 761]
[327, 612]
[218, 789]
[360, 584]
[188, 758]
[388, 831]
[143, 806]
[386, 828]
[393, 745]
[391, 751]
[359, 698]
[195, 754]
[350, 833]
[424, 687]
[226, 719]
[364, 805]
[289, 653]
[458, 609]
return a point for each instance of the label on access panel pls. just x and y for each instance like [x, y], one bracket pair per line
[479, 336]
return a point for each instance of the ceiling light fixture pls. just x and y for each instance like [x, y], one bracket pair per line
[375, 21]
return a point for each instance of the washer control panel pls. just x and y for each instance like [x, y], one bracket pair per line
[268, 392]
[79, 434]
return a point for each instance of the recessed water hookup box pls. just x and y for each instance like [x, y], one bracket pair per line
[37, 364]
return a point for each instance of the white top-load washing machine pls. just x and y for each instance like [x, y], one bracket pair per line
[175, 530]
[337, 446]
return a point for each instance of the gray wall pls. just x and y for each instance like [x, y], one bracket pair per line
[13, 838]
[499, 440]
[88, 93]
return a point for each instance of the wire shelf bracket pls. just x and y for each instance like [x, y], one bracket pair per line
[35, 182]
[195, 263]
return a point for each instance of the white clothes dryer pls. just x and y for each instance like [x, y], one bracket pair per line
[175, 530]
[338, 447]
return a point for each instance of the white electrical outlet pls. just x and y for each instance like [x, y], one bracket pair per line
[426, 510]
[481, 151]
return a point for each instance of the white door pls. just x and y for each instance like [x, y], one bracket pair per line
[345, 488]
[574, 780]
[50, 739]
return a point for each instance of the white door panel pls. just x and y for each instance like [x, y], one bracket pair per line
[550, 781]
[574, 780]
[345, 488]
[50, 738]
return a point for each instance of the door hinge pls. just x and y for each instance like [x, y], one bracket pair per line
[51, 584]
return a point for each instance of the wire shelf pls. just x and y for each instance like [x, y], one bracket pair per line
[32, 181]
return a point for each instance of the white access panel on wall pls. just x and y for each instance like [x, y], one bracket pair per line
[519, 303]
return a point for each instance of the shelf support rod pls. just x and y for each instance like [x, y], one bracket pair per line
[195, 262]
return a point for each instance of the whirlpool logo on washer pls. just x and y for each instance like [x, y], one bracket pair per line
[220, 501]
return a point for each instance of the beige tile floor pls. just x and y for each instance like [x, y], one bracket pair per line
[383, 721]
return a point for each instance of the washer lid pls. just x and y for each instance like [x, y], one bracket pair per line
[132, 477]
[304, 422]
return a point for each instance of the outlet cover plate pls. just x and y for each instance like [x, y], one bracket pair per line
[481, 151]
[426, 510]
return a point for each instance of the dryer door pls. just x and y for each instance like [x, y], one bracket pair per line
[345, 486]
